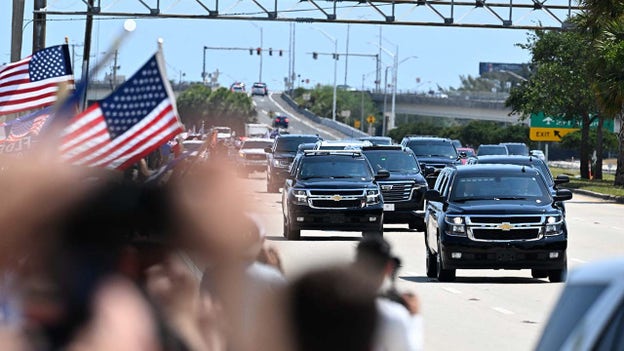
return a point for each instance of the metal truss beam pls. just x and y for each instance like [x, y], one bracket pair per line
[509, 14]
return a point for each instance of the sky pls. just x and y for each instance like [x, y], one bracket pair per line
[431, 56]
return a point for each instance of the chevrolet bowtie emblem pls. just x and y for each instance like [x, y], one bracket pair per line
[336, 197]
[505, 226]
[386, 187]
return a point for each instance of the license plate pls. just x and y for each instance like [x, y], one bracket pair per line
[388, 207]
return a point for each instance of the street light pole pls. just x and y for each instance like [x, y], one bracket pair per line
[362, 105]
[383, 121]
[392, 119]
[204, 67]
[335, 68]
[261, 54]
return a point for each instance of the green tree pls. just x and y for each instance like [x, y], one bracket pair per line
[561, 82]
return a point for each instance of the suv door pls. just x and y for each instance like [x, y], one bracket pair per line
[435, 210]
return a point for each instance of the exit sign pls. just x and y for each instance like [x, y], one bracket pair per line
[549, 134]
[540, 120]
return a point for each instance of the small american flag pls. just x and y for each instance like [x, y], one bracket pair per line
[127, 125]
[33, 82]
[29, 125]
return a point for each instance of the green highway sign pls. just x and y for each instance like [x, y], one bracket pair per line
[540, 120]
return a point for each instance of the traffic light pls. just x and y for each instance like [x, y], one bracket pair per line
[314, 55]
[258, 50]
[270, 51]
[280, 52]
[250, 51]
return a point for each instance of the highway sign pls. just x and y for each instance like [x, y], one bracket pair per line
[370, 119]
[540, 120]
[549, 134]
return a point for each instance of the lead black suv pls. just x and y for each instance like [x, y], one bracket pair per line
[332, 190]
[432, 152]
[404, 191]
[281, 155]
[495, 217]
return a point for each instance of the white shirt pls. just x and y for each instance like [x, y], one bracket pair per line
[397, 329]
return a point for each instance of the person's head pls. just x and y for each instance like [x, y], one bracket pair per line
[374, 255]
[332, 309]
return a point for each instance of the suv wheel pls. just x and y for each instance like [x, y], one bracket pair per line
[418, 224]
[431, 264]
[291, 233]
[539, 273]
[444, 275]
[558, 275]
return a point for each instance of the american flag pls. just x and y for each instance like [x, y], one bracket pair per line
[138, 117]
[29, 125]
[33, 82]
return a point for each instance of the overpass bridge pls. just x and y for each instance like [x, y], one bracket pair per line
[489, 107]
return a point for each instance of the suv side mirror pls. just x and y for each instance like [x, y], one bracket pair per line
[562, 195]
[434, 195]
[382, 174]
[268, 149]
[428, 170]
[561, 179]
[463, 154]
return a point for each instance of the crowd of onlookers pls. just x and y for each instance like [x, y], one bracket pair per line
[93, 260]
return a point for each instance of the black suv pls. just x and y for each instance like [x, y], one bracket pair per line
[495, 217]
[404, 191]
[281, 155]
[332, 190]
[432, 152]
[280, 122]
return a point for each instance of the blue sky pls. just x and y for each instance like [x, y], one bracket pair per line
[443, 54]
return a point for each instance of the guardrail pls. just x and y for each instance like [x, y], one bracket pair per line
[338, 126]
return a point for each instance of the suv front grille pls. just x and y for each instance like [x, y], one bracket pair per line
[336, 192]
[351, 203]
[337, 199]
[395, 192]
[505, 227]
[255, 157]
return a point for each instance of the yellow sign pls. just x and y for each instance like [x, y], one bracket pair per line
[370, 119]
[549, 134]
[356, 124]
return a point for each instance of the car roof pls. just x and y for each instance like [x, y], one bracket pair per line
[497, 145]
[386, 148]
[514, 159]
[426, 137]
[495, 169]
[321, 153]
[297, 136]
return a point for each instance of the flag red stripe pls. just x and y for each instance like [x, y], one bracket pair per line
[149, 138]
[30, 99]
[10, 68]
[127, 138]
[149, 150]
[13, 74]
[30, 107]
[92, 149]
[31, 89]
[15, 82]
[75, 134]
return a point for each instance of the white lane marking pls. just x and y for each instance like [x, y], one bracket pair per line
[452, 291]
[578, 260]
[616, 228]
[502, 310]
[264, 111]
[254, 103]
[301, 120]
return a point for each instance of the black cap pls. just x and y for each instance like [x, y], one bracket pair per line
[375, 250]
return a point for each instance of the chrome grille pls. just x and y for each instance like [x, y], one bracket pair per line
[351, 203]
[395, 192]
[505, 227]
[337, 198]
[255, 157]
[497, 234]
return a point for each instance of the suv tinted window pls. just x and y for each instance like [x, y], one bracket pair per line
[338, 167]
[507, 186]
[291, 144]
[430, 148]
[393, 161]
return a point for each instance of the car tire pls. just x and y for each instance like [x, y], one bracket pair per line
[539, 273]
[417, 224]
[443, 274]
[557, 275]
[290, 232]
[431, 264]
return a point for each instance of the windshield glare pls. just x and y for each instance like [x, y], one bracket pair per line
[256, 144]
[431, 149]
[399, 162]
[291, 144]
[331, 168]
[500, 187]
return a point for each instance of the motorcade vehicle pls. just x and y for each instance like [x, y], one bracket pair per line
[404, 190]
[457, 143]
[259, 88]
[492, 149]
[281, 155]
[517, 149]
[589, 313]
[280, 121]
[257, 130]
[305, 146]
[251, 156]
[196, 147]
[432, 152]
[332, 190]
[468, 152]
[341, 144]
[495, 217]
[237, 87]
[539, 154]
[377, 140]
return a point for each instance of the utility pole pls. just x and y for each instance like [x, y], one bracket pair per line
[392, 119]
[39, 25]
[86, 53]
[347, 55]
[115, 67]
[362, 105]
[204, 66]
[383, 121]
[378, 77]
[17, 31]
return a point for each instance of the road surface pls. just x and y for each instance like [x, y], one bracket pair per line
[483, 309]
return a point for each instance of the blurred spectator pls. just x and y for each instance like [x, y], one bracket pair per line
[400, 323]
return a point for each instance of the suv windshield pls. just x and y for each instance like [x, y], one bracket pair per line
[433, 149]
[338, 167]
[505, 187]
[492, 150]
[517, 149]
[399, 162]
[291, 144]
[256, 144]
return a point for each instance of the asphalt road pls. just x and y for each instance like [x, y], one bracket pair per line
[298, 124]
[483, 309]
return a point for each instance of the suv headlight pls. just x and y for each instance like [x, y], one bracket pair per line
[372, 197]
[280, 163]
[554, 225]
[455, 225]
[301, 197]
